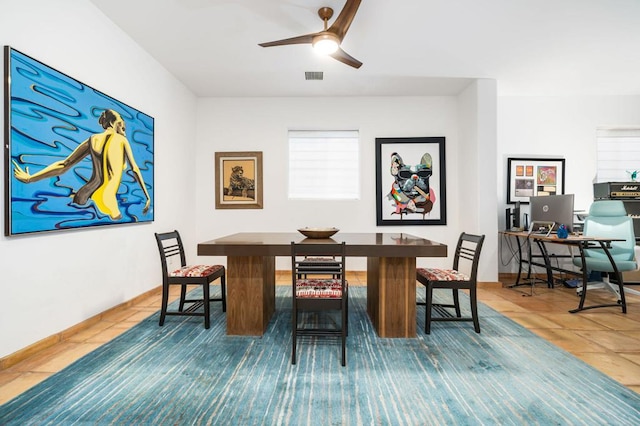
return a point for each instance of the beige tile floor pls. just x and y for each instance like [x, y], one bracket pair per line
[604, 338]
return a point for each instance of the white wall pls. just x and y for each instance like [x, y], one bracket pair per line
[556, 127]
[53, 281]
[478, 160]
[261, 124]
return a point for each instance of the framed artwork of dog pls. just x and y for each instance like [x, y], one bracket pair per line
[410, 184]
[238, 180]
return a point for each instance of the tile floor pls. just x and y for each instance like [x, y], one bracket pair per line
[604, 338]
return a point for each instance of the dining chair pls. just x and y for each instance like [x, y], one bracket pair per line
[463, 276]
[175, 271]
[319, 290]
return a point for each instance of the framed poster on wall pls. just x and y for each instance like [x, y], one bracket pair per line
[74, 157]
[238, 180]
[530, 177]
[410, 181]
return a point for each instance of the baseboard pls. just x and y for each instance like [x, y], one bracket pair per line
[47, 342]
[490, 284]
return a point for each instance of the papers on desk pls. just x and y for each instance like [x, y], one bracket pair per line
[541, 228]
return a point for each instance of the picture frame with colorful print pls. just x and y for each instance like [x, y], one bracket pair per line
[410, 181]
[238, 180]
[542, 176]
[74, 156]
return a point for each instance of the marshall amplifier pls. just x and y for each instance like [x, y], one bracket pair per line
[616, 190]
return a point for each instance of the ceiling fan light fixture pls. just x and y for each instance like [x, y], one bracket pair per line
[328, 40]
[326, 43]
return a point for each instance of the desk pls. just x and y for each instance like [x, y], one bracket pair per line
[582, 243]
[391, 276]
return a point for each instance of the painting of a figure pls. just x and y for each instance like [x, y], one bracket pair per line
[413, 190]
[77, 157]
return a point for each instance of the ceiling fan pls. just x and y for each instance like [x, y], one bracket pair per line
[328, 41]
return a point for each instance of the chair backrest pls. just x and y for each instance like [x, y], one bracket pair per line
[609, 219]
[333, 251]
[170, 246]
[467, 255]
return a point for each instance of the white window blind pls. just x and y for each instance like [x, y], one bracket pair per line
[618, 154]
[324, 165]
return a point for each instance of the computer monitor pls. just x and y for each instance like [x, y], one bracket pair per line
[512, 218]
[516, 215]
[553, 208]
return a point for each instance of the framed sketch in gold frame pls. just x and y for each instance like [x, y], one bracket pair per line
[238, 180]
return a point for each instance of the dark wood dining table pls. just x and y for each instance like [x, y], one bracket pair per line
[391, 275]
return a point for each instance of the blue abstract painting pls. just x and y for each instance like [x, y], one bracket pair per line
[74, 156]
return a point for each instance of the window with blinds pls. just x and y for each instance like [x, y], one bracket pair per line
[324, 165]
[618, 154]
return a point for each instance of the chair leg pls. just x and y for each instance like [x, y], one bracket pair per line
[456, 302]
[345, 330]
[223, 290]
[427, 308]
[344, 344]
[207, 305]
[474, 309]
[183, 296]
[346, 311]
[294, 334]
[165, 301]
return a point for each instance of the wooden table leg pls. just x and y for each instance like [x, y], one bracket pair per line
[391, 295]
[251, 294]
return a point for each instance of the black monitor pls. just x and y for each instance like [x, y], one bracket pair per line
[553, 208]
[516, 215]
[512, 218]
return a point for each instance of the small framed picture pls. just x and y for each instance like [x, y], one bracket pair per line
[238, 180]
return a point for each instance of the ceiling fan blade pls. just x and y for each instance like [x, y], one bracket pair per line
[342, 23]
[345, 58]
[303, 39]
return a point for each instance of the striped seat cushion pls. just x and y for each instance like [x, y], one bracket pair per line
[436, 274]
[196, 271]
[319, 288]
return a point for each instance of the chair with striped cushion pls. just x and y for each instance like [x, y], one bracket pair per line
[463, 276]
[321, 289]
[175, 271]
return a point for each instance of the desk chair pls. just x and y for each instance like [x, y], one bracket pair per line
[171, 250]
[463, 276]
[319, 290]
[608, 218]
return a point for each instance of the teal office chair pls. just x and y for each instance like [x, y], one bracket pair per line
[608, 218]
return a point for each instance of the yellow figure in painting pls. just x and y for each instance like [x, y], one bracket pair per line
[110, 152]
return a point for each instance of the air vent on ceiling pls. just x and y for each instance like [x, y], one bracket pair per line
[313, 75]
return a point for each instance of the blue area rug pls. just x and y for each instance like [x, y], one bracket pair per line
[182, 374]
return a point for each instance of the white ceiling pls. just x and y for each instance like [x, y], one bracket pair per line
[408, 47]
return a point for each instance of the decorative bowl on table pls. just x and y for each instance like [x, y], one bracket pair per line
[318, 232]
